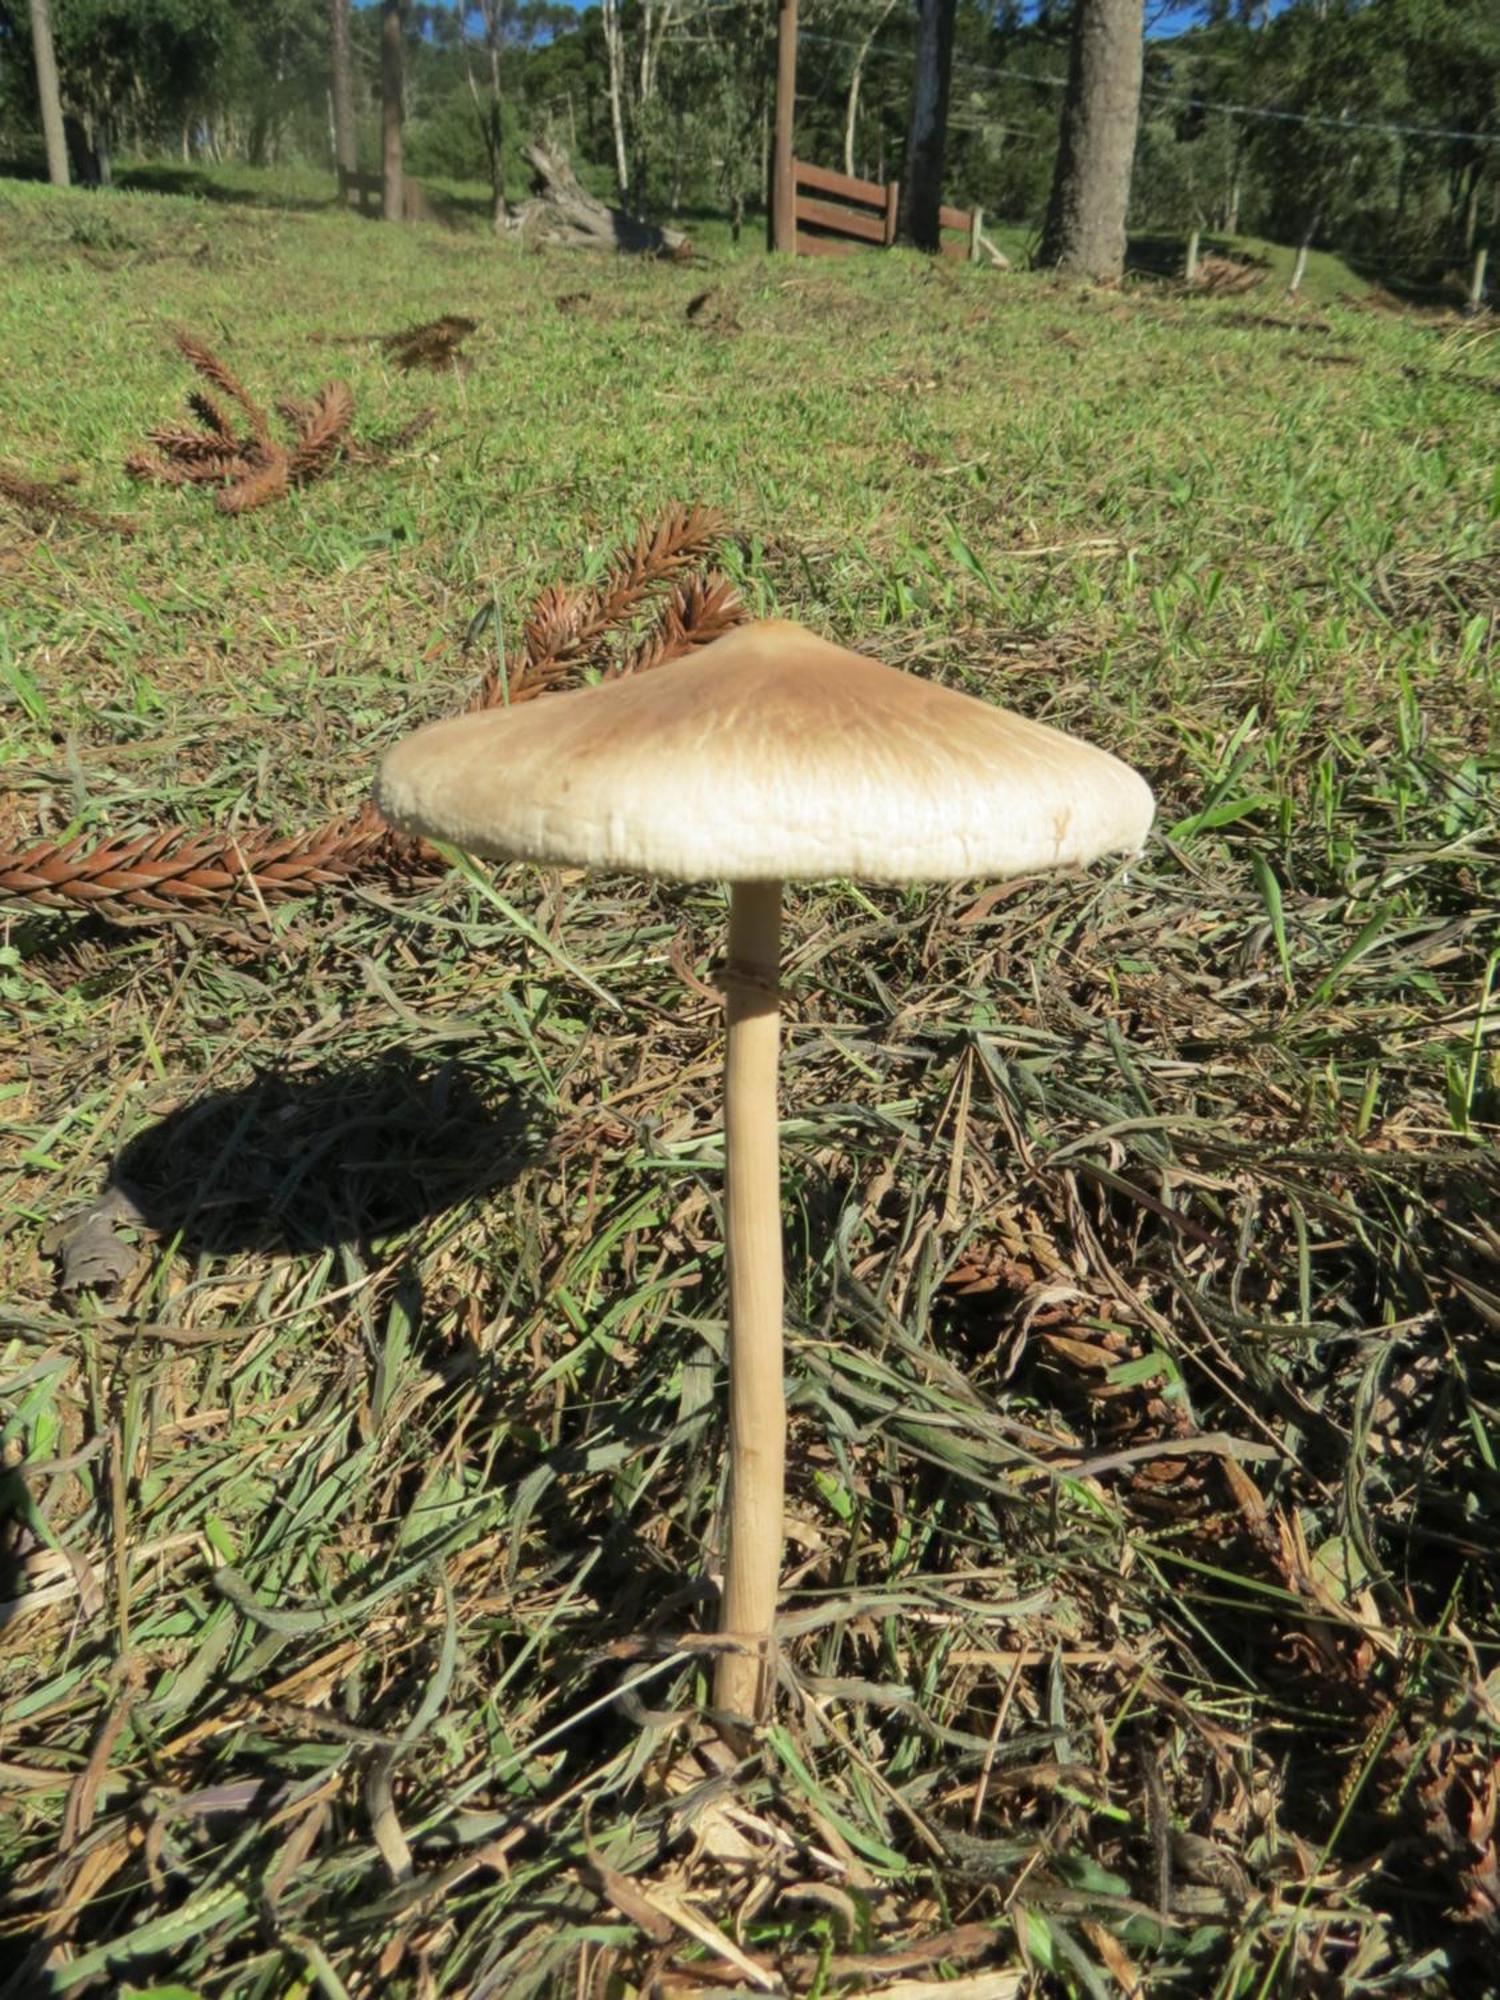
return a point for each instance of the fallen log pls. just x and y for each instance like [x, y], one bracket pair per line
[564, 212]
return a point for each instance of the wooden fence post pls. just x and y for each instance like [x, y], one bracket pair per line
[1476, 283]
[1190, 264]
[892, 210]
[1297, 271]
[976, 230]
[783, 192]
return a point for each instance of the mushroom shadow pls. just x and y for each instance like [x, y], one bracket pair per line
[307, 1159]
[17, 1539]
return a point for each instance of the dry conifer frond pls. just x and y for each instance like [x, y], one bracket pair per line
[698, 612]
[564, 625]
[212, 418]
[259, 486]
[433, 344]
[252, 470]
[181, 870]
[198, 354]
[322, 431]
[381, 450]
[1223, 277]
[145, 469]
[552, 623]
[49, 500]
[197, 454]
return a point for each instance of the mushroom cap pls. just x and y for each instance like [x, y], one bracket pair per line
[769, 755]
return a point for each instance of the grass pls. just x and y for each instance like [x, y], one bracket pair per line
[362, 1455]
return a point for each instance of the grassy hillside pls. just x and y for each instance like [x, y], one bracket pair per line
[1144, 1309]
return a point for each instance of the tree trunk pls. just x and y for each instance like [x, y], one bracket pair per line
[927, 130]
[392, 203]
[496, 134]
[563, 212]
[345, 144]
[48, 92]
[851, 108]
[1085, 230]
[491, 114]
[614, 49]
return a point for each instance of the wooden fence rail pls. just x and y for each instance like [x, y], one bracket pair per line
[967, 220]
[862, 212]
[859, 214]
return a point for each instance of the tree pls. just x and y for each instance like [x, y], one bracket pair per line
[47, 91]
[1085, 227]
[856, 79]
[345, 145]
[927, 133]
[614, 49]
[491, 108]
[390, 109]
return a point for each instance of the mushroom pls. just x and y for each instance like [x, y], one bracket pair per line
[769, 756]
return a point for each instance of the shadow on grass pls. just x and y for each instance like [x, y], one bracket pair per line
[211, 184]
[344, 1155]
[17, 1539]
[1163, 253]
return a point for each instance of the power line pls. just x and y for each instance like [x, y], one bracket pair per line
[1206, 104]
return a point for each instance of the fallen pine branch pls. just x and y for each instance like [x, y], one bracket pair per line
[251, 468]
[192, 871]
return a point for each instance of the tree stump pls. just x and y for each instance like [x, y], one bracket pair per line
[561, 211]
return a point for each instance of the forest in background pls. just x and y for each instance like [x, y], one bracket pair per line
[1367, 126]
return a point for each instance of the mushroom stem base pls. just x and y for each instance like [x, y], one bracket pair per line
[746, 1676]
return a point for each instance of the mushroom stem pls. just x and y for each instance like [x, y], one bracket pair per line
[757, 1394]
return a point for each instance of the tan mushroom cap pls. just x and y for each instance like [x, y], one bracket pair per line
[768, 756]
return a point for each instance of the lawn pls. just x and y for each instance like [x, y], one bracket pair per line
[362, 1359]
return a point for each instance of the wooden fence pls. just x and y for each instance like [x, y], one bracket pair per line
[862, 215]
[361, 191]
[969, 222]
[366, 194]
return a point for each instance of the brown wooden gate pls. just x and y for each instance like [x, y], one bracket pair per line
[838, 215]
[860, 214]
